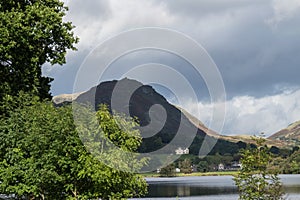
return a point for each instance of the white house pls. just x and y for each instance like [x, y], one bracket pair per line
[181, 151]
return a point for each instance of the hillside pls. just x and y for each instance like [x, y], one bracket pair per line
[232, 138]
[290, 135]
[196, 122]
[144, 97]
[139, 105]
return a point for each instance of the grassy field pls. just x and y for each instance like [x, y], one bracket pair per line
[220, 173]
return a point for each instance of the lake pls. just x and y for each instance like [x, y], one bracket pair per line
[208, 187]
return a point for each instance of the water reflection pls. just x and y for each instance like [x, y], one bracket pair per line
[212, 186]
[190, 186]
[158, 190]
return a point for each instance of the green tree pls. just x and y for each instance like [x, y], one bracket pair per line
[42, 157]
[255, 180]
[295, 167]
[202, 166]
[226, 159]
[291, 165]
[32, 33]
[185, 166]
[213, 161]
[169, 170]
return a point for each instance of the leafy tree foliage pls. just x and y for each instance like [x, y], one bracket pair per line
[185, 166]
[114, 141]
[291, 165]
[255, 180]
[32, 33]
[42, 157]
[202, 166]
[168, 171]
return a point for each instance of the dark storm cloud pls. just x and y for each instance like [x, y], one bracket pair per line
[259, 59]
[254, 56]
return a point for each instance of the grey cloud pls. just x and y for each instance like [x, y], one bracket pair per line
[64, 76]
[253, 57]
[89, 10]
[258, 58]
[196, 8]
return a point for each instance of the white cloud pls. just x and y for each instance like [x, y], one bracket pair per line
[96, 21]
[284, 10]
[249, 115]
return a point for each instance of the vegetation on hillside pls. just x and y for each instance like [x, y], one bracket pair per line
[284, 161]
[290, 136]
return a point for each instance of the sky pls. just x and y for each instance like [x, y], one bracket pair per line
[255, 45]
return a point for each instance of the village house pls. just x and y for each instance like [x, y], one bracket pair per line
[181, 151]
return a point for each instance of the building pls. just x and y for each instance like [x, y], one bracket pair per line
[181, 151]
[221, 167]
[236, 165]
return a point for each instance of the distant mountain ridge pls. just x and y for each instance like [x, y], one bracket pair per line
[232, 138]
[289, 135]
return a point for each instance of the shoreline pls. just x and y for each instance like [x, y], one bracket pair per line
[220, 173]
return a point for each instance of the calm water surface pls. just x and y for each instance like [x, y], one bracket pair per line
[208, 187]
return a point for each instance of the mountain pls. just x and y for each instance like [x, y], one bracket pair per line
[159, 120]
[232, 138]
[290, 135]
[196, 122]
